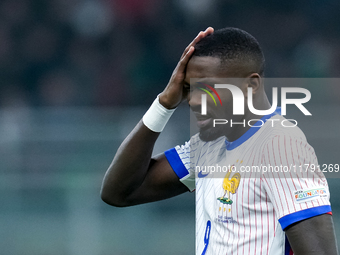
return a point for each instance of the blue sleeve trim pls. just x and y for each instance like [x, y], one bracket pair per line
[289, 219]
[176, 163]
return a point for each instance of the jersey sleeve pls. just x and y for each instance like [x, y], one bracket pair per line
[295, 186]
[180, 160]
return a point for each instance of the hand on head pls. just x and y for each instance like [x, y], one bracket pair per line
[174, 93]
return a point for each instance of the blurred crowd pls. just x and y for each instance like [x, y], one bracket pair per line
[122, 52]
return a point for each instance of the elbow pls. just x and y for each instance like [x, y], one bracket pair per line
[113, 200]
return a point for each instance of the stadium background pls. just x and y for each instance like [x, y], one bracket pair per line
[76, 75]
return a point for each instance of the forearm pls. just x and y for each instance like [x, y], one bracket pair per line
[129, 166]
[133, 177]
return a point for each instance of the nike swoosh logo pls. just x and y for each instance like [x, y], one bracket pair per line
[201, 175]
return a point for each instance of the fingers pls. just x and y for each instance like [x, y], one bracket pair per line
[190, 49]
[184, 60]
[200, 35]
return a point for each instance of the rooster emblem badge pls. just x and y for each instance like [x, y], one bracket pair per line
[229, 186]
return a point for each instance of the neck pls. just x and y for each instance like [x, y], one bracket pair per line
[260, 102]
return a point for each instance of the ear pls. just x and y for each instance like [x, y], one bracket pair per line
[254, 80]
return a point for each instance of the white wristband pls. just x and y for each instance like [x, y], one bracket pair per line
[157, 116]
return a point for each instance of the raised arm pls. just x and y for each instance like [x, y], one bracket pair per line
[133, 176]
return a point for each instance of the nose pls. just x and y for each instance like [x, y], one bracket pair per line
[195, 99]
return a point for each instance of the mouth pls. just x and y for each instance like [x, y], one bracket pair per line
[203, 121]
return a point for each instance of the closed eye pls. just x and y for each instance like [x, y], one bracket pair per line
[187, 87]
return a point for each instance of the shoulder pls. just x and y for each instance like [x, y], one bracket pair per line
[195, 143]
[279, 126]
[275, 138]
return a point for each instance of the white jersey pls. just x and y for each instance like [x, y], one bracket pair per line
[245, 197]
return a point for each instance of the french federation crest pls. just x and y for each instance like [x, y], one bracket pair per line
[229, 186]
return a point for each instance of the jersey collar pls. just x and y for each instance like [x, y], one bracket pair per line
[250, 132]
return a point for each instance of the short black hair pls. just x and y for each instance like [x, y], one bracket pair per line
[232, 45]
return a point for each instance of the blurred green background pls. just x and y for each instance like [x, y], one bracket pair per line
[77, 75]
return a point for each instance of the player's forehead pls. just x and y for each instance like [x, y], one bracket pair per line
[200, 67]
[206, 69]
